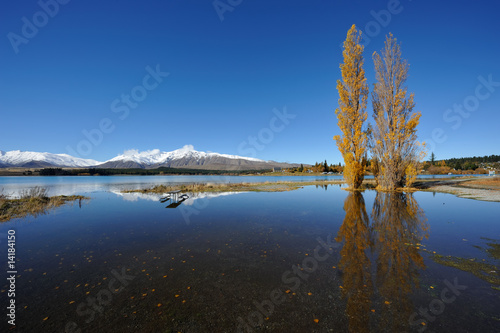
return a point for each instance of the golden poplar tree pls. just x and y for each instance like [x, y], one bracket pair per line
[351, 114]
[395, 146]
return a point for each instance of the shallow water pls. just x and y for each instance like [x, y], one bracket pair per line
[71, 185]
[228, 263]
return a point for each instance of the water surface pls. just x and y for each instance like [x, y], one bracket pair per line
[318, 259]
[70, 185]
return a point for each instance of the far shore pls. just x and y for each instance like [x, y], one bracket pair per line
[35, 172]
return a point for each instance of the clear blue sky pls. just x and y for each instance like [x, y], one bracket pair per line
[226, 76]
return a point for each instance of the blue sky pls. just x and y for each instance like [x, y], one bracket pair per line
[71, 70]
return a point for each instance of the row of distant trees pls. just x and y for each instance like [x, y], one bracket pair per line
[434, 166]
[461, 165]
[325, 167]
[391, 140]
[318, 167]
[142, 172]
[467, 163]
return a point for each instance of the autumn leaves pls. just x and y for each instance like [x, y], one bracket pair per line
[351, 114]
[392, 140]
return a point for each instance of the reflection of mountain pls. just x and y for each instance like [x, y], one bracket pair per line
[398, 225]
[134, 196]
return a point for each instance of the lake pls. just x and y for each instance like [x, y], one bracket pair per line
[70, 185]
[317, 259]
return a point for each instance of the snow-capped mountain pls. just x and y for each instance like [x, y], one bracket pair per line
[177, 158]
[27, 159]
[186, 157]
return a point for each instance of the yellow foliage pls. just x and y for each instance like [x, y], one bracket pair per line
[411, 174]
[351, 114]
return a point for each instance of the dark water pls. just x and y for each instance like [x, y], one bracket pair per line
[316, 259]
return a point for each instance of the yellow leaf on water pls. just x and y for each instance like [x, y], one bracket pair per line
[316, 320]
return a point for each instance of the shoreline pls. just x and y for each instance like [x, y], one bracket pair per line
[484, 189]
[468, 187]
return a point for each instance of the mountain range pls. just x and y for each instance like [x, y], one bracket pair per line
[186, 157]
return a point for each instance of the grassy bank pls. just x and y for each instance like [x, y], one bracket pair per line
[234, 187]
[32, 202]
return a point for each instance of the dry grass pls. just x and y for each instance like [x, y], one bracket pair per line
[233, 187]
[489, 183]
[32, 202]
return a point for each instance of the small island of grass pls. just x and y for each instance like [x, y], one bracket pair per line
[32, 202]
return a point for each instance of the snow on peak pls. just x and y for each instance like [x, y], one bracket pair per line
[17, 157]
[148, 157]
[155, 156]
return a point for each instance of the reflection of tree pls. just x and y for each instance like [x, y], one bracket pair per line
[398, 225]
[357, 283]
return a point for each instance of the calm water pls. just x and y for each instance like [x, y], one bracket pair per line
[69, 185]
[316, 259]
